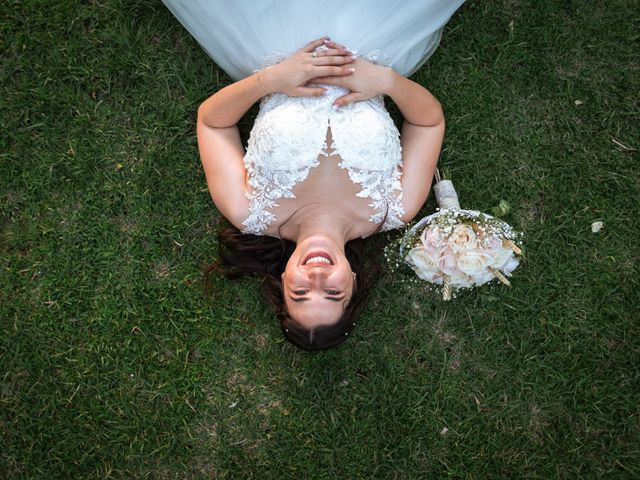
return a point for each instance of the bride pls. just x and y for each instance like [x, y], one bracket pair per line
[324, 165]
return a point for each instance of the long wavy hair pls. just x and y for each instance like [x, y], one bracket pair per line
[242, 254]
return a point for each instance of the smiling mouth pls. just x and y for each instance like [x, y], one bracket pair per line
[317, 258]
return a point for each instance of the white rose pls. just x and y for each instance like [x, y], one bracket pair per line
[474, 263]
[462, 238]
[510, 266]
[425, 264]
[459, 279]
[500, 256]
[482, 278]
[493, 242]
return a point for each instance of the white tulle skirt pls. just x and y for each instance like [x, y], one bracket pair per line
[242, 36]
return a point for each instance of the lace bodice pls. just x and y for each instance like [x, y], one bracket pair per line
[288, 139]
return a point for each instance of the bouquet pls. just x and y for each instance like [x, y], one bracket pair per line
[456, 248]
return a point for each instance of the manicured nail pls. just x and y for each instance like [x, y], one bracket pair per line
[335, 106]
[352, 70]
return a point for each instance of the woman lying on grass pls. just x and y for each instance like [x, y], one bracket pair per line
[324, 166]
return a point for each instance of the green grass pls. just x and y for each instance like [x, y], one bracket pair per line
[114, 365]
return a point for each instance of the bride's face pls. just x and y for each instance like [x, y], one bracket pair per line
[317, 282]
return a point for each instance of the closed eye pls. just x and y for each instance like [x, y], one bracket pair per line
[332, 295]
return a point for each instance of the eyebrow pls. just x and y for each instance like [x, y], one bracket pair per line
[304, 299]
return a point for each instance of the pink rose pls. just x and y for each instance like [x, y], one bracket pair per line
[431, 237]
[462, 238]
[447, 261]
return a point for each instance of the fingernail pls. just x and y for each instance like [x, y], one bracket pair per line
[353, 57]
[335, 106]
[327, 40]
[352, 70]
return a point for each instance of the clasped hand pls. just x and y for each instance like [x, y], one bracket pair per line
[303, 73]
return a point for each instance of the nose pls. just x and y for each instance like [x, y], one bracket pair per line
[317, 274]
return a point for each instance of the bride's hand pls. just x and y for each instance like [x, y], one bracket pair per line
[367, 81]
[292, 75]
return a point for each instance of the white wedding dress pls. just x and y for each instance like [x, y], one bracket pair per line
[288, 137]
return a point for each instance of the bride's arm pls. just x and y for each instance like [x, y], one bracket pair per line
[220, 146]
[422, 131]
[420, 151]
[421, 139]
[221, 149]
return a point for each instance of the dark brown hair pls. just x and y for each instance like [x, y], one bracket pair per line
[243, 254]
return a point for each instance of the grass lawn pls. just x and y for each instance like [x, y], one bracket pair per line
[113, 364]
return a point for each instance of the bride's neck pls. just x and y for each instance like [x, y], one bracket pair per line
[313, 223]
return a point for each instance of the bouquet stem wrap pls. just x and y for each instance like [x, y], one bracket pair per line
[446, 195]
